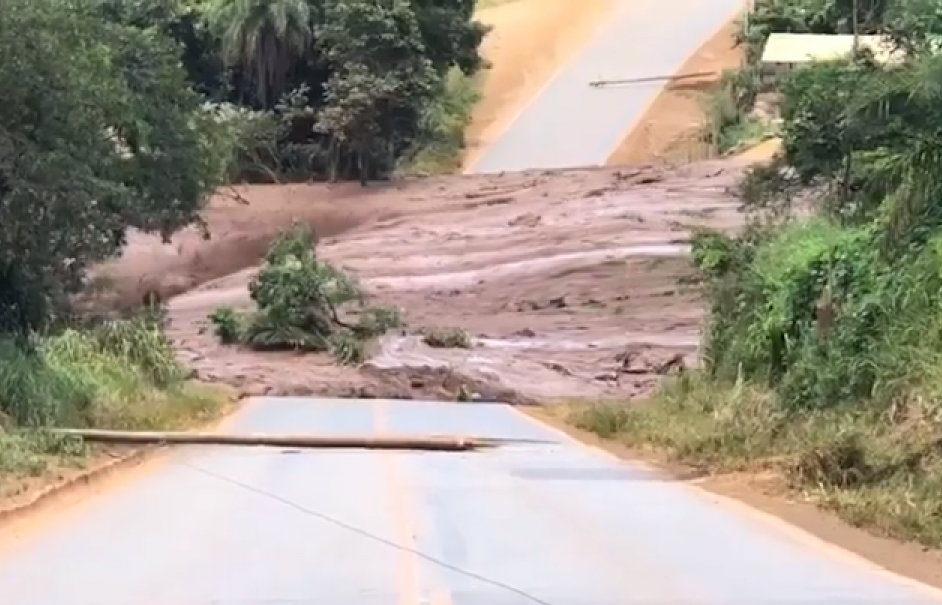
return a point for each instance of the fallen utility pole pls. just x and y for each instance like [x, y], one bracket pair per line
[439, 443]
[687, 76]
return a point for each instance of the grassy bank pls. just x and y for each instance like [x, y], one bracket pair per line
[120, 375]
[876, 468]
[821, 361]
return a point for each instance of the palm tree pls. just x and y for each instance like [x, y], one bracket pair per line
[264, 37]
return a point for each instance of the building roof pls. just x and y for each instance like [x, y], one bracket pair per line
[803, 48]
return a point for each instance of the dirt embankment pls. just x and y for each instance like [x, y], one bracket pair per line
[568, 281]
[672, 128]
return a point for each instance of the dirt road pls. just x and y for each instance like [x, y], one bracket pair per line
[555, 523]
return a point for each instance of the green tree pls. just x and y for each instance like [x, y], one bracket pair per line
[182, 21]
[100, 132]
[265, 37]
[351, 82]
[381, 77]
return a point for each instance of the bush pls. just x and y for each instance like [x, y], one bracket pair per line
[298, 299]
[228, 325]
[121, 375]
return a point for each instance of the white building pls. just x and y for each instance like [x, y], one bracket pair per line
[784, 52]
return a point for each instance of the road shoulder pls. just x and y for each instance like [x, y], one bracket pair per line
[764, 493]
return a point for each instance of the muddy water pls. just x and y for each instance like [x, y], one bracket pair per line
[555, 280]
[465, 279]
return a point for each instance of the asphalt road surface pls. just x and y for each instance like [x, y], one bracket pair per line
[573, 124]
[555, 523]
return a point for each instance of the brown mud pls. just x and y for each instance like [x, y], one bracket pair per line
[570, 283]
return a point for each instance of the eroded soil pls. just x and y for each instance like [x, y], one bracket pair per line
[570, 282]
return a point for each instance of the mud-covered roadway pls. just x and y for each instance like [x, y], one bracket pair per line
[573, 283]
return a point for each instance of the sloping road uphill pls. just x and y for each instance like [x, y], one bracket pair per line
[571, 123]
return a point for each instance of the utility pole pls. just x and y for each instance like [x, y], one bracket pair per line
[856, 42]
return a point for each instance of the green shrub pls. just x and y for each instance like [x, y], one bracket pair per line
[34, 392]
[298, 299]
[228, 325]
[121, 374]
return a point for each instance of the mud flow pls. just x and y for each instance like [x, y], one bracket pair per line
[573, 283]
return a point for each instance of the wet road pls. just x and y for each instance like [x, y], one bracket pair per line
[570, 123]
[556, 524]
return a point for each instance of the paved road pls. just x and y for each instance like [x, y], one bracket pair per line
[572, 124]
[555, 524]
[536, 524]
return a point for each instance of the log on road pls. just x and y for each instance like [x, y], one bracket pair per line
[440, 443]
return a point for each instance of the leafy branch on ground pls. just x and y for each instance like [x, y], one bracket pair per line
[822, 353]
[299, 299]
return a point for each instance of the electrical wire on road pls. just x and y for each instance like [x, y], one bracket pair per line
[368, 535]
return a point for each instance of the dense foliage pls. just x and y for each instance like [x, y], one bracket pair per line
[352, 82]
[912, 26]
[120, 114]
[843, 307]
[129, 114]
[96, 116]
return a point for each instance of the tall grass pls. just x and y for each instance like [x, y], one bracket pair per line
[440, 148]
[876, 466]
[728, 112]
[121, 375]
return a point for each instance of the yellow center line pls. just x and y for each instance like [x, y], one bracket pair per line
[407, 577]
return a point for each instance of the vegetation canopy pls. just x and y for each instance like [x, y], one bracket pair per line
[121, 115]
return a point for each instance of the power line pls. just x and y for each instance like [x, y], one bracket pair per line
[686, 76]
[366, 534]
